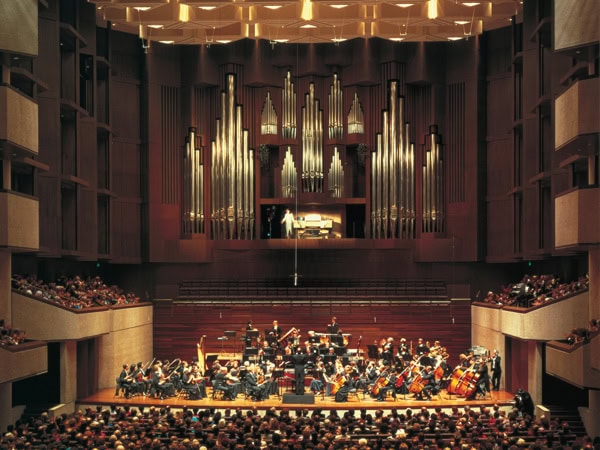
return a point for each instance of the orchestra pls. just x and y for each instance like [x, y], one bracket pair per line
[324, 359]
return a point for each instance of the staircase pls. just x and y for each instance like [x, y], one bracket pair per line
[568, 414]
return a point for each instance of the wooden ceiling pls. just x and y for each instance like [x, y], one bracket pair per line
[206, 22]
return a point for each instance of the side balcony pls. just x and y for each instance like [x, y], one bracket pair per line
[20, 213]
[18, 122]
[550, 321]
[23, 361]
[577, 364]
[576, 221]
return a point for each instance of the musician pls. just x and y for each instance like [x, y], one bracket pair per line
[256, 388]
[344, 383]
[483, 382]
[404, 352]
[193, 383]
[389, 384]
[318, 382]
[496, 368]
[387, 351]
[276, 330]
[161, 385]
[430, 385]
[334, 326]
[123, 382]
[300, 359]
[220, 383]
[421, 347]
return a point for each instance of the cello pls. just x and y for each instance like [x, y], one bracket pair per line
[380, 382]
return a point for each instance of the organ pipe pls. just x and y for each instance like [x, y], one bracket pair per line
[312, 143]
[193, 182]
[288, 108]
[392, 174]
[335, 177]
[289, 175]
[356, 119]
[433, 184]
[336, 107]
[268, 117]
[232, 172]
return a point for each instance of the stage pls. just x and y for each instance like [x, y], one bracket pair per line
[443, 400]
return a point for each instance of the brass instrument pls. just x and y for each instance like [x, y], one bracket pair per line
[290, 331]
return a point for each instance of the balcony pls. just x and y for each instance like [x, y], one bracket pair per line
[547, 322]
[577, 116]
[23, 361]
[577, 364]
[20, 213]
[576, 220]
[18, 121]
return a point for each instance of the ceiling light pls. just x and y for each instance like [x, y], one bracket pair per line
[461, 22]
[207, 8]
[280, 41]
[308, 25]
[454, 38]
[432, 9]
[397, 39]
[338, 6]
[470, 4]
[404, 5]
[156, 26]
[142, 8]
[223, 41]
[338, 39]
[273, 6]
[166, 42]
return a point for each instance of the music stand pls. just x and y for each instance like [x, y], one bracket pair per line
[277, 375]
[222, 339]
[231, 334]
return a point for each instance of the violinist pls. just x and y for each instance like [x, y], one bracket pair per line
[421, 347]
[220, 384]
[404, 352]
[256, 388]
[387, 351]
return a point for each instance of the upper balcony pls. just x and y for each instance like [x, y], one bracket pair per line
[577, 364]
[550, 321]
[75, 324]
[18, 122]
[576, 220]
[23, 361]
[20, 214]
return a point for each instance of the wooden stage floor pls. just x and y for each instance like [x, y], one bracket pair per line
[444, 400]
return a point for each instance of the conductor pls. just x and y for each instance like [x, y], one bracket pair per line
[300, 359]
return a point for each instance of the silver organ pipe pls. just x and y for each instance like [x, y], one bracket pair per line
[392, 174]
[335, 177]
[268, 117]
[433, 184]
[312, 143]
[232, 172]
[289, 175]
[336, 107]
[288, 108]
[356, 119]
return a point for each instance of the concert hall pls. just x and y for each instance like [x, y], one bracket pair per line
[291, 224]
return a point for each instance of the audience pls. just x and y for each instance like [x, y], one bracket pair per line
[10, 336]
[535, 290]
[74, 293]
[578, 335]
[164, 428]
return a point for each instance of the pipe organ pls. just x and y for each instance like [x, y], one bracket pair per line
[312, 143]
[232, 172]
[193, 186]
[289, 175]
[433, 184]
[336, 107]
[288, 108]
[268, 117]
[393, 174]
[356, 119]
[335, 177]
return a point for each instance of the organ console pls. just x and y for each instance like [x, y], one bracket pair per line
[313, 226]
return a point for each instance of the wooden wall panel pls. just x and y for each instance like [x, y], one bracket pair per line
[177, 327]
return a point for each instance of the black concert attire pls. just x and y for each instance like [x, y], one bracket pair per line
[421, 348]
[342, 393]
[430, 386]
[254, 390]
[496, 371]
[194, 387]
[300, 360]
[220, 383]
[122, 382]
[387, 353]
[162, 387]
[333, 328]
